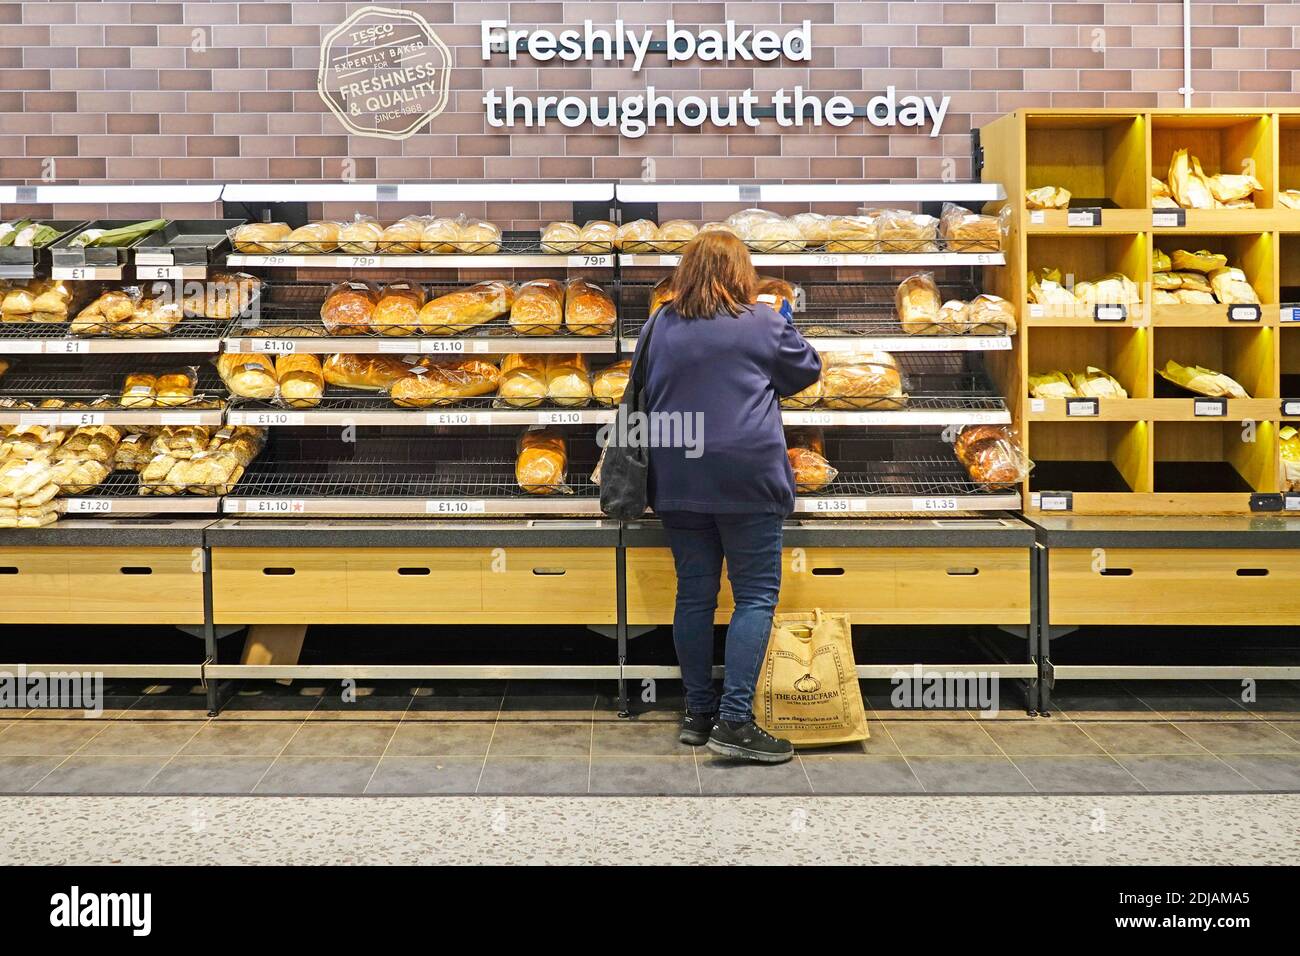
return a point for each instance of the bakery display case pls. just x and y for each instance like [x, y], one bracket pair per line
[1086, 279]
[1187, 145]
[1099, 159]
[1214, 279]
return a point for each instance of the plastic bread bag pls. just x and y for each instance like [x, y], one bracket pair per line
[51, 299]
[568, 380]
[1203, 260]
[438, 235]
[181, 441]
[609, 383]
[75, 476]
[155, 315]
[597, 237]
[992, 456]
[954, 317]
[902, 231]
[300, 378]
[397, 308]
[224, 295]
[523, 381]
[852, 234]
[444, 382]
[541, 462]
[814, 227]
[176, 386]
[133, 452]
[248, 375]
[208, 473]
[806, 436]
[561, 238]
[1232, 288]
[360, 236]
[587, 309]
[1187, 182]
[917, 303]
[464, 309]
[1160, 261]
[314, 239]
[672, 235]
[1094, 382]
[348, 307]
[742, 223]
[1047, 197]
[477, 237]
[861, 379]
[107, 312]
[1202, 381]
[403, 238]
[260, 238]
[367, 372]
[966, 231]
[139, 390]
[991, 315]
[812, 472]
[1289, 449]
[538, 308]
[636, 236]
[775, 236]
[1054, 384]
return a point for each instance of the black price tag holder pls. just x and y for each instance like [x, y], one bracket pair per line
[1113, 312]
[1082, 407]
[1210, 407]
[1268, 502]
[1291, 408]
[1056, 501]
[1168, 218]
[1245, 313]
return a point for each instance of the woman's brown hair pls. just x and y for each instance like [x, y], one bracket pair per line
[715, 275]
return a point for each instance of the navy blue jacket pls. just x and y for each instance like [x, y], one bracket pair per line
[731, 370]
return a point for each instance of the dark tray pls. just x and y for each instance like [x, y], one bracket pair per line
[187, 242]
[67, 256]
[16, 258]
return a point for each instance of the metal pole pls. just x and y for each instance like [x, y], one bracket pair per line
[620, 591]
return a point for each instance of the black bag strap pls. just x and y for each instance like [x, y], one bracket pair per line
[638, 376]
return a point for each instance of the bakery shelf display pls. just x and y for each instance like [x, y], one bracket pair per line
[1086, 171]
[25, 245]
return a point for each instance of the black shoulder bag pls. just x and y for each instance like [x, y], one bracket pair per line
[625, 470]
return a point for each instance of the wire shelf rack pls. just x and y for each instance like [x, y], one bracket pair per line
[510, 243]
[100, 383]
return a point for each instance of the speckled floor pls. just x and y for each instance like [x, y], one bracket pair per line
[1138, 829]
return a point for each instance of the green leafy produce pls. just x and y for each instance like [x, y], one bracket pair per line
[119, 237]
[9, 231]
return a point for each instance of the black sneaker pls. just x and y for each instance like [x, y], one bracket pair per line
[696, 728]
[748, 741]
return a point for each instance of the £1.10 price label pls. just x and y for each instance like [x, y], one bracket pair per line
[454, 506]
[275, 506]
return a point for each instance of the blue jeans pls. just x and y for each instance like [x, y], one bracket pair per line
[751, 543]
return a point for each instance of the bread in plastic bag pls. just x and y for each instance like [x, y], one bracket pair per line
[902, 231]
[444, 382]
[587, 309]
[609, 383]
[461, 311]
[301, 379]
[852, 234]
[523, 380]
[568, 380]
[636, 236]
[260, 238]
[403, 238]
[597, 236]
[360, 237]
[861, 379]
[917, 302]
[991, 315]
[672, 235]
[313, 239]
[775, 236]
[248, 375]
[397, 308]
[438, 235]
[541, 462]
[992, 456]
[966, 231]
[349, 307]
[538, 308]
[561, 238]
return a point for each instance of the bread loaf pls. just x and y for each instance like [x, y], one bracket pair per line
[349, 308]
[814, 227]
[917, 300]
[597, 237]
[991, 455]
[458, 312]
[661, 294]
[610, 382]
[248, 376]
[402, 238]
[478, 238]
[861, 380]
[375, 373]
[966, 231]
[953, 318]
[445, 383]
[105, 313]
[523, 380]
[542, 461]
[587, 309]
[673, 234]
[138, 391]
[439, 236]
[775, 236]
[174, 388]
[50, 301]
[538, 308]
[224, 296]
[991, 315]
[261, 238]
[812, 472]
[568, 380]
[302, 382]
[313, 239]
[1047, 197]
[561, 238]
[901, 231]
[360, 238]
[397, 311]
[636, 236]
[852, 234]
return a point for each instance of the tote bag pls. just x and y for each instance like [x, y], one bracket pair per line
[625, 468]
[808, 689]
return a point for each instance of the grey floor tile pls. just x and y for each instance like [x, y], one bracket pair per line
[267, 707]
[48, 737]
[1239, 737]
[879, 744]
[1131, 737]
[940, 738]
[210, 774]
[241, 739]
[132, 738]
[1119, 707]
[862, 773]
[454, 708]
[664, 708]
[632, 738]
[885, 710]
[1267, 771]
[720, 775]
[455, 773]
[512, 774]
[1043, 738]
[169, 707]
[542, 738]
[1199, 708]
[1292, 730]
[370, 707]
[969, 775]
[644, 775]
[537, 707]
[1077, 774]
[1272, 707]
[100, 775]
[428, 738]
[341, 738]
[17, 774]
[1189, 774]
[292, 775]
[110, 709]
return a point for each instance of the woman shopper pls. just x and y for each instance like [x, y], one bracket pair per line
[717, 358]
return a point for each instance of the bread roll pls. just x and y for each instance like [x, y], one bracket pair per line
[523, 380]
[814, 227]
[375, 373]
[248, 376]
[908, 232]
[261, 238]
[360, 238]
[349, 308]
[106, 312]
[138, 391]
[806, 398]
[402, 238]
[852, 234]
[568, 380]
[587, 309]
[478, 238]
[917, 301]
[174, 388]
[398, 310]
[775, 235]
[561, 238]
[673, 234]
[812, 472]
[598, 236]
[861, 380]
[991, 455]
[636, 236]
[439, 236]
[542, 461]
[538, 308]
[224, 296]
[458, 312]
[313, 239]
[50, 301]
[445, 383]
[302, 382]
[610, 382]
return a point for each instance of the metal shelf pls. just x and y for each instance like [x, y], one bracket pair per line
[836, 260]
[343, 408]
[143, 193]
[517, 250]
[418, 192]
[925, 484]
[92, 395]
[812, 192]
[187, 336]
[119, 494]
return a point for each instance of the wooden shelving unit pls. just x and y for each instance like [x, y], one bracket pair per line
[1159, 451]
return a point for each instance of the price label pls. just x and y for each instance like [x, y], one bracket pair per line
[31, 421]
[88, 506]
[1244, 313]
[180, 418]
[559, 418]
[810, 418]
[443, 346]
[1037, 217]
[934, 504]
[1291, 313]
[1103, 312]
[454, 506]
[269, 419]
[275, 260]
[67, 347]
[1083, 407]
[1085, 216]
[1037, 405]
[1056, 501]
[77, 273]
[824, 260]
[1035, 310]
[1168, 218]
[274, 346]
[159, 272]
[1292, 503]
[81, 419]
[22, 347]
[450, 418]
[589, 261]
[1210, 407]
[1291, 407]
[275, 506]
[830, 505]
[363, 262]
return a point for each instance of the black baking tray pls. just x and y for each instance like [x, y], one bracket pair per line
[24, 259]
[187, 242]
[67, 256]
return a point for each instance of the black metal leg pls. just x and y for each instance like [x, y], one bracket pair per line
[1044, 637]
[620, 590]
[209, 635]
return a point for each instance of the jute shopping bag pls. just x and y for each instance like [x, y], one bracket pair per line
[808, 689]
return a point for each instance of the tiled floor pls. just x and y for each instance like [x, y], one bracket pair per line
[1103, 738]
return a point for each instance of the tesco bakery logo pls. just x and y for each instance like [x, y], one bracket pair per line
[384, 72]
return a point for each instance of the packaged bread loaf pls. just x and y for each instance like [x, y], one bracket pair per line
[261, 238]
[138, 390]
[223, 296]
[597, 236]
[991, 315]
[175, 387]
[660, 295]
[360, 237]
[349, 307]
[992, 455]
[541, 462]
[1232, 288]
[250, 375]
[587, 309]
[107, 312]
[444, 383]
[133, 452]
[808, 397]
[93, 442]
[609, 383]
[917, 300]
[852, 234]
[402, 238]
[75, 476]
[966, 231]
[538, 308]
[814, 227]
[523, 380]
[812, 472]
[865, 379]
[477, 237]
[397, 311]
[313, 239]
[902, 231]
[636, 236]
[439, 236]
[775, 236]
[1047, 197]
[953, 318]
[561, 238]
[568, 380]
[374, 373]
[744, 222]
[181, 441]
[301, 379]
[672, 235]
[461, 311]
[40, 300]
[1187, 182]
[1181, 260]
[1289, 448]
[1202, 381]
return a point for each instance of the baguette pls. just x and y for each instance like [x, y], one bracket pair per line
[445, 383]
[457, 312]
[374, 373]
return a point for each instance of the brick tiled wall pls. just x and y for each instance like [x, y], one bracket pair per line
[117, 91]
